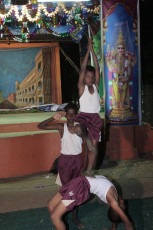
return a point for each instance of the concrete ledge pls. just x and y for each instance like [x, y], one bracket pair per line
[126, 142]
[30, 152]
[122, 154]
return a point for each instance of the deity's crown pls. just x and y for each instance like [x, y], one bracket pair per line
[120, 40]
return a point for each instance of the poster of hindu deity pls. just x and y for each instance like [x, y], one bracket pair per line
[120, 61]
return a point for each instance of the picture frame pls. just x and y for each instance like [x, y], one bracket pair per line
[30, 75]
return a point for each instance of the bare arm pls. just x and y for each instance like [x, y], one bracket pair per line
[83, 70]
[124, 218]
[97, 71]
[48, 125]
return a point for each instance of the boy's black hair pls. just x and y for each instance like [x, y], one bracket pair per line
[71, 105]
[90, 68]
[113, 216]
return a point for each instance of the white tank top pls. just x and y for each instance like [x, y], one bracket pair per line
[99, 185]
[71, 144]
[90, 103]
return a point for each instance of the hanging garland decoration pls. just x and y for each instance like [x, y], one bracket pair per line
[77, 27]
[15, 38]
[76, 17]
[1, 31]
[8, 32]
[20, 15]
[1, 28]
[25, 32]
[46, 27]
[33, 34]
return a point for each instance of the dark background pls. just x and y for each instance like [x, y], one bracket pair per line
[146, 36]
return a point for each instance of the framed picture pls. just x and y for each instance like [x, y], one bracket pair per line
[29, 75]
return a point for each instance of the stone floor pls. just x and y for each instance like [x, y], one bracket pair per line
[134, 176]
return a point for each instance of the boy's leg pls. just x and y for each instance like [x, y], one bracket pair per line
[83, 133]
[57, 216]
[91, 160]
[75, 219]
[57, 209]
[92, 147]
[53, 202]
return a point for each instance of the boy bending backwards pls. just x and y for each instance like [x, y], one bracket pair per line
[89, 122]
[78, 190]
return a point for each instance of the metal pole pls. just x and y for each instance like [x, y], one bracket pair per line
[139, 66]
[89, 34]
[102, 57]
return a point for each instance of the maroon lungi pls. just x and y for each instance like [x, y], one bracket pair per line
[69, 167]
[92, 122]
[78, 190]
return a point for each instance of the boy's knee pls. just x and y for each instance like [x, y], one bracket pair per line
[54, 218]
[78, 129]
[49, 207]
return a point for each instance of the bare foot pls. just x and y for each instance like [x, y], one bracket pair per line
[88, 173]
